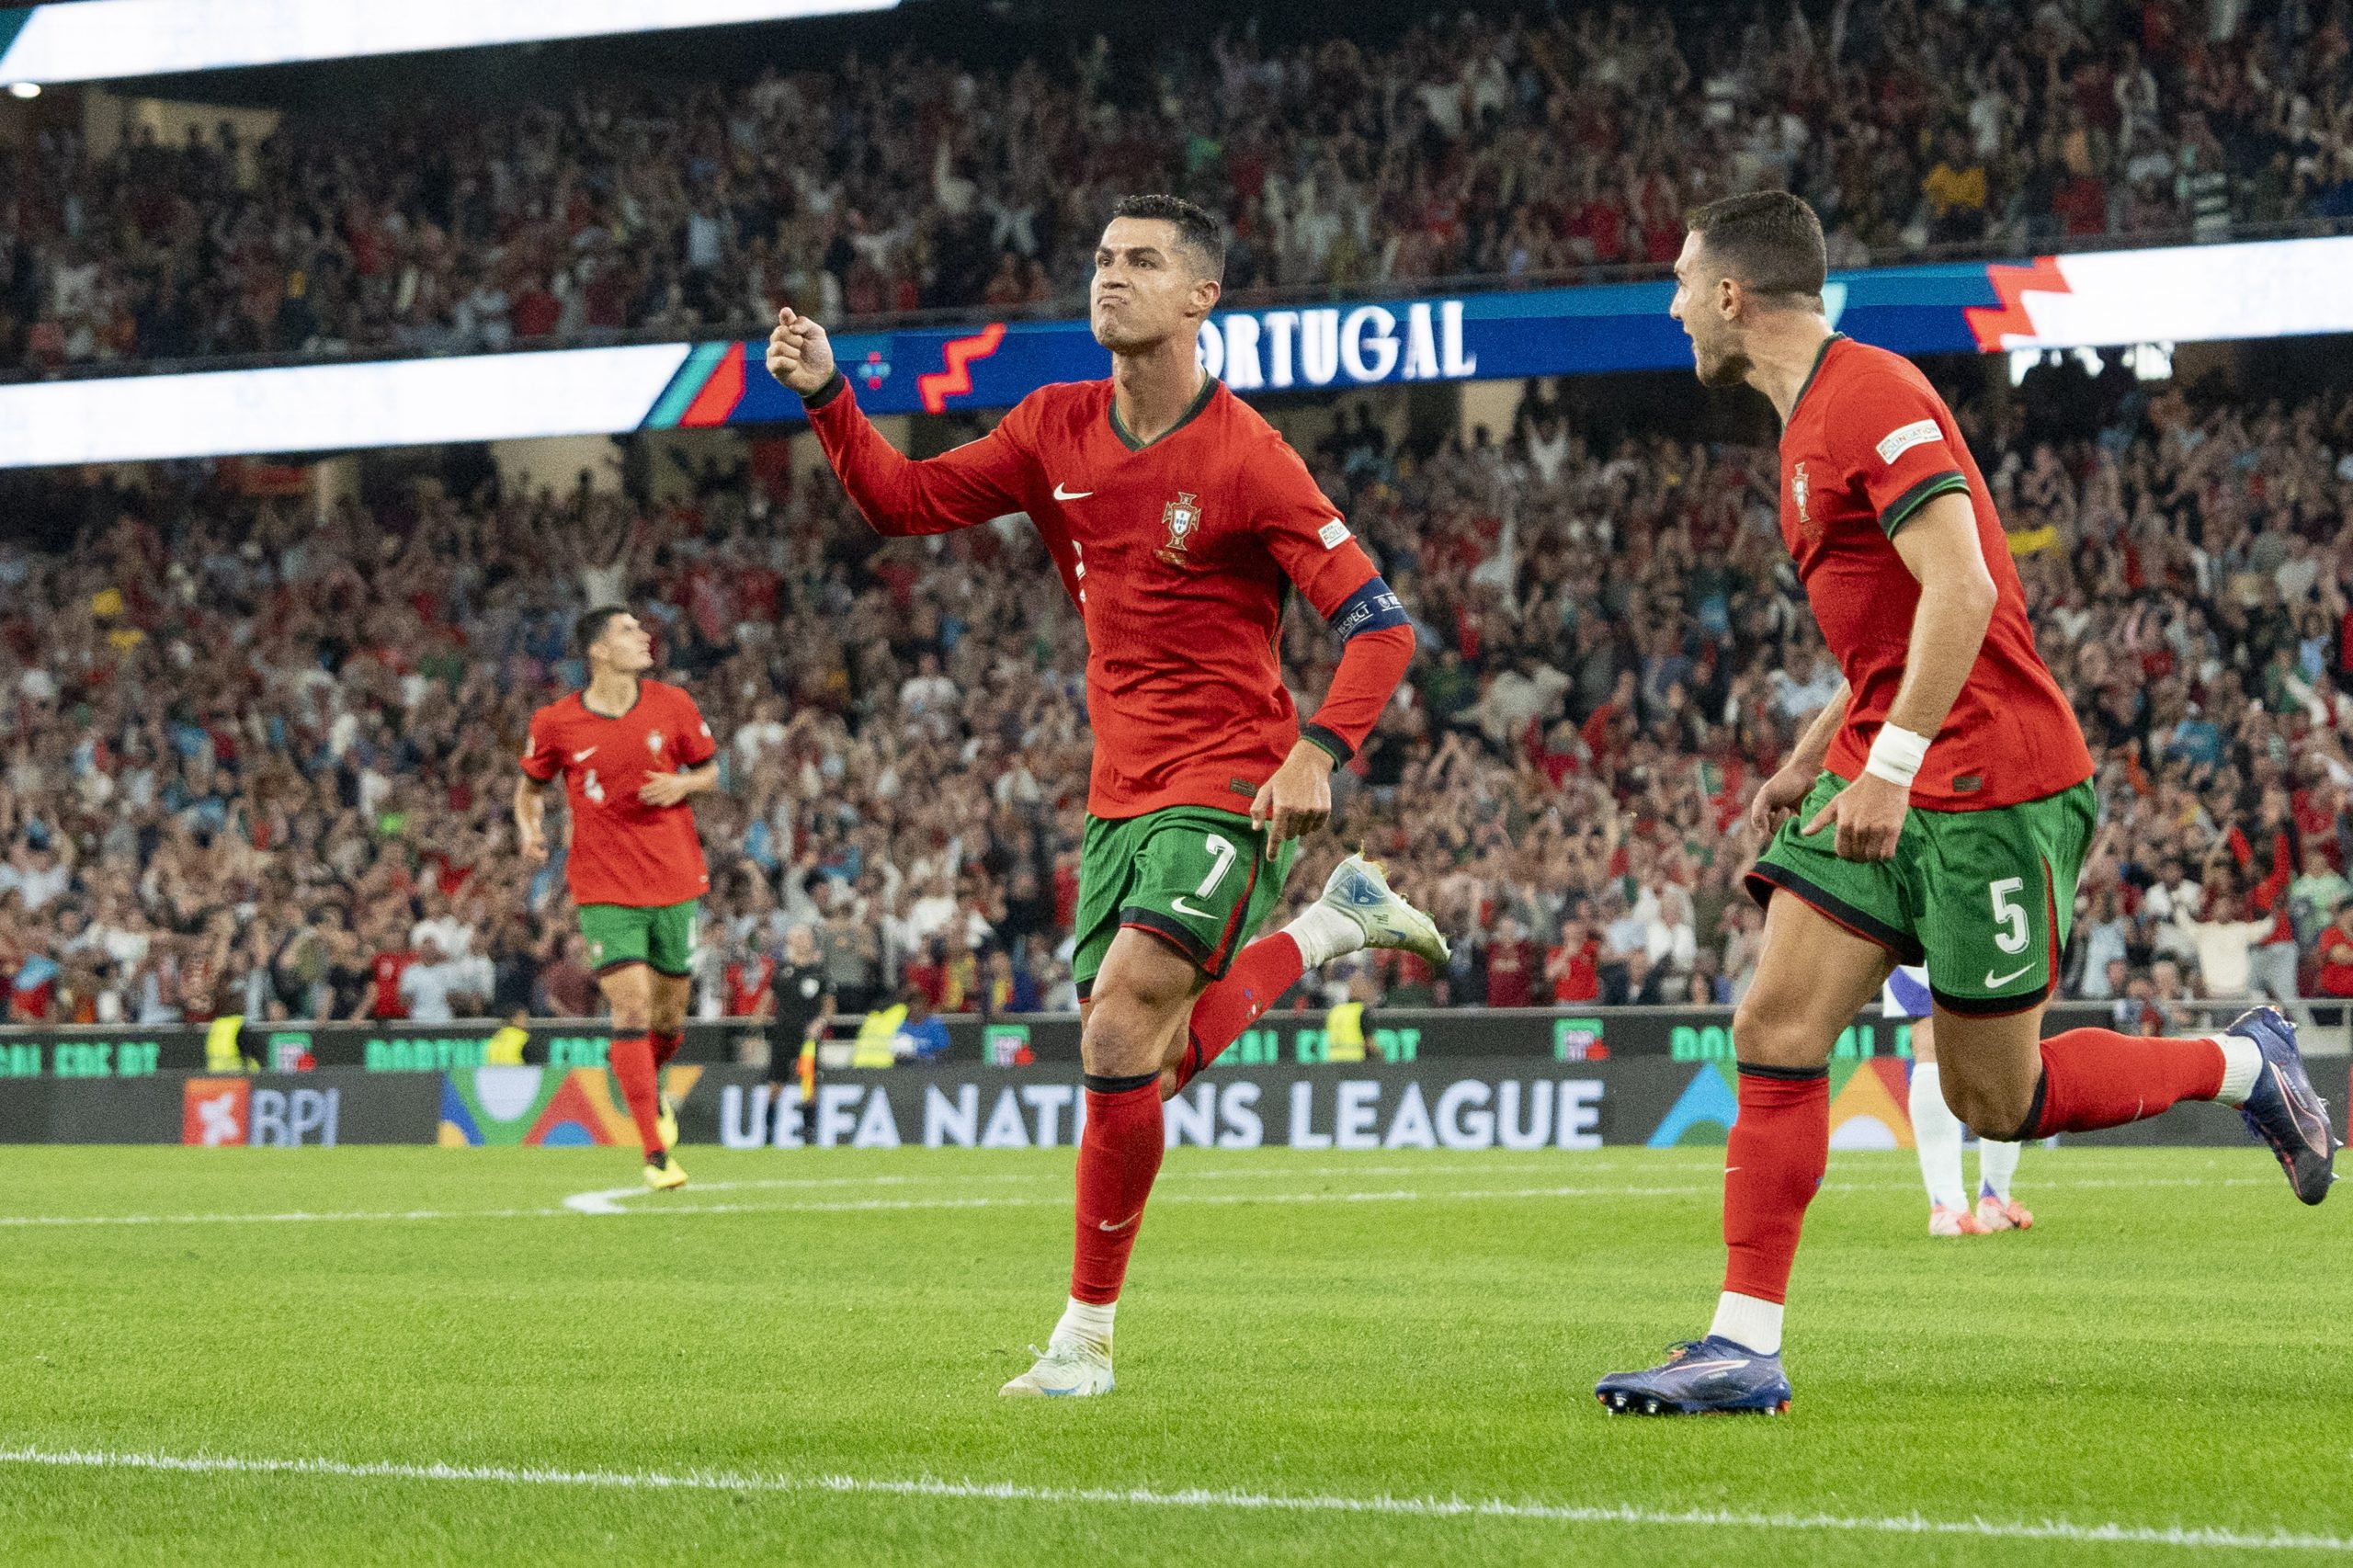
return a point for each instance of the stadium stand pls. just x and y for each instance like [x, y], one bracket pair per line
[255, 760]
[1512, 149]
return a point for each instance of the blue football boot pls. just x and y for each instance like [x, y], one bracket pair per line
[2283, 1110]
[1701, 1377]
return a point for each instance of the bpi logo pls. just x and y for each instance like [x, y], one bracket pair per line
[219, 1113]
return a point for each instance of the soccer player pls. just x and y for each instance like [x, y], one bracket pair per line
[1937, 811]
[1175, 516]
[1935, 1132]
[633, 753]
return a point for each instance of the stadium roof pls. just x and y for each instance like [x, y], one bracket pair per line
[108, 39]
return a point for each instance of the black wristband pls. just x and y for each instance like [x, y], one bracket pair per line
[1324, 740]
[834, 385]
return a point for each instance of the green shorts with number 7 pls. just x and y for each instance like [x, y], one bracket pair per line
[1196, 876]
[1983, 898]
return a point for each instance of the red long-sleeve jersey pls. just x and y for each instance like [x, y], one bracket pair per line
[1175, 552]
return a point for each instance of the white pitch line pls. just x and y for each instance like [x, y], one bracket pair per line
[2195, 1536]
[605, 1202]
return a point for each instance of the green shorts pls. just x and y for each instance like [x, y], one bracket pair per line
[1983, 898]
[1198, 877]
[620, 935]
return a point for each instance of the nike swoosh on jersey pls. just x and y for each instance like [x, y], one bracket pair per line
[1181, 907]
[1993, 980]
[1061, 495]
[583, 756]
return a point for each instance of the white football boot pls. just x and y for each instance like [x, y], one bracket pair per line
[1068, 1367]
[1357, 890]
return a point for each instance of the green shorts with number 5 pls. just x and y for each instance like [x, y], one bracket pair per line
[662, 936]
[1983, 898]
[1196, 876]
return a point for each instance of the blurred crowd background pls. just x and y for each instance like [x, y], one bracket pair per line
[1551, 145]
[258, 759]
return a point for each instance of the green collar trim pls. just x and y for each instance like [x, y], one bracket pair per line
[1819, 356]
[1127, 438]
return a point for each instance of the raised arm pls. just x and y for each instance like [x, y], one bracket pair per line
[897, 496]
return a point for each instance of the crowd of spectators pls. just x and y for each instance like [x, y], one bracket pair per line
[256, 760]
[1545, 145]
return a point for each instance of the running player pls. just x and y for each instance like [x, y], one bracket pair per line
[1936, 812]
[633, 753]
[1175, 516]
[1935, 1132]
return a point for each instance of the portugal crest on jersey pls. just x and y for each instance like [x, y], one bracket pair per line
[1184, 521]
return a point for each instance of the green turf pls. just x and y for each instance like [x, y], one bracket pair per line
[2167, 1348]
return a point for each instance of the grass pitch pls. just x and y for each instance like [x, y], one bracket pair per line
[425, 1356]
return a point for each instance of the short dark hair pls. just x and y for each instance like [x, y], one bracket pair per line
[1767, 240]
[590, 628]
[1196, 230]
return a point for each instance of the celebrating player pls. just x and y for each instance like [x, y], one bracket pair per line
[1937, 811]
[633, 753]
[1935, 1132]
[1174, 515]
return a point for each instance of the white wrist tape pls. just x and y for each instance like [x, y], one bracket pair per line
[1896, 755]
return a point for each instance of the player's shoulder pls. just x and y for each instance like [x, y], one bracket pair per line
[665, 694]
[1062, 402]
[562, 710]
[1851, 368]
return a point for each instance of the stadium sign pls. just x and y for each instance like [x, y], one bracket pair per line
[96, 41]
[1463, 1104]
[2203, 293]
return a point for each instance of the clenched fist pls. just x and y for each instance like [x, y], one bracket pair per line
[799, 354]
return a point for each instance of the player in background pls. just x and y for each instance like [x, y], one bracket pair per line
[1937, 811]
[633, 753]
[1935, 1132]
[1175, 517]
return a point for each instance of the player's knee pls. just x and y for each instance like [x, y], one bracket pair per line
[1763, 1036]
[1994, 1110]
[1119, 1039]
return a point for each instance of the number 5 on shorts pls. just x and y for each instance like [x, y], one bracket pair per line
[2011, 916]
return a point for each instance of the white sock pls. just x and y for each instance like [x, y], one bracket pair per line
[1749, 1320]
[1936, 1132]
[1323, 934]
[2242, 1065]
[1086, 1320]
[1996, 1163]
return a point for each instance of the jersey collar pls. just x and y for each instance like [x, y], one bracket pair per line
[610, 718]
[1819, 356]
[1127, 438]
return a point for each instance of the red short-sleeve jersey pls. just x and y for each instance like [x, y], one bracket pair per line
[624, 851]
[1868, 442]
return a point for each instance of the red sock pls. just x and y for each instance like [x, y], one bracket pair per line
[1117, 1156]
[631, 1060]
[1261, 974]
[665, 1046]
[2096, 1078]
[1773, 1162]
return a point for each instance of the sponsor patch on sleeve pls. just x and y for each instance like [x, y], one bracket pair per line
[1897, 442]
[1332, 533]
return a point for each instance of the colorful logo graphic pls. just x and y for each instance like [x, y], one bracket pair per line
[1866, 1101]
[216, 1113]
[542, 1108]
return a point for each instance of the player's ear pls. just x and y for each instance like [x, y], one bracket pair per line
[1207, 291]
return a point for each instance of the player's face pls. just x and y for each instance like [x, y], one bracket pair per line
[1145, 290]
[1716, 348]
[627, 645]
